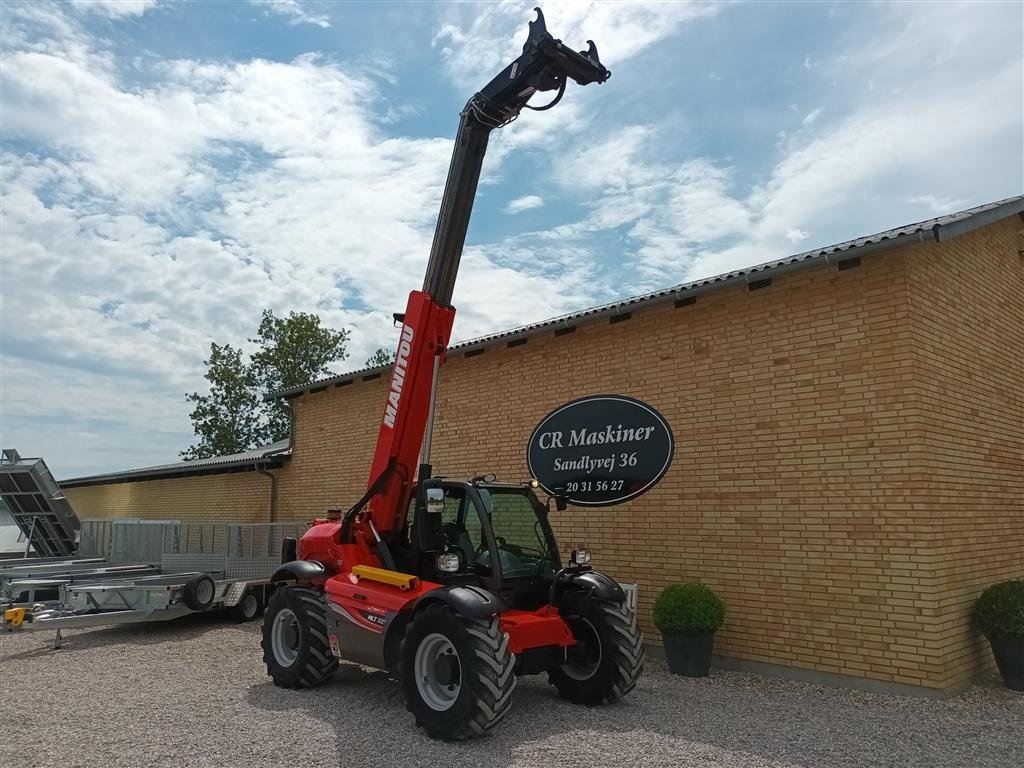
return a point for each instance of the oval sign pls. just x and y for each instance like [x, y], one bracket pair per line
[600, 450]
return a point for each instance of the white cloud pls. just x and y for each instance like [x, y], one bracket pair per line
[937, 205]
[115, 8]
[525, 203]
[166, 215]
[484, 38]
[692, 219]
[295, 12]
[812, 116]
[151, 216]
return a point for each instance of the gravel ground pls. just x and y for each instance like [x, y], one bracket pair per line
[194, 693]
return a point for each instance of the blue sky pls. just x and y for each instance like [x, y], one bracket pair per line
[170, 169]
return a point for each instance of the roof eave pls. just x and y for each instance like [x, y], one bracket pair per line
[940, 232]
[271, 461]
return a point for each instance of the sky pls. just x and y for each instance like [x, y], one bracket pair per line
[170, 169]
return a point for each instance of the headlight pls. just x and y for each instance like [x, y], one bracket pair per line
[449, 562]
[580, 557]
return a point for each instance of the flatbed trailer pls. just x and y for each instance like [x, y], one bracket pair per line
[144, 598]
[105, 572]
[181, 568]
[30, 584]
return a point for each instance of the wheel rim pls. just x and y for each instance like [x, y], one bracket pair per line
[249, 606]
[438, 672]
[284, 637]
[204, 592]
[583, 659]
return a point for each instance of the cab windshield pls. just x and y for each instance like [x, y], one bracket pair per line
[525, 546]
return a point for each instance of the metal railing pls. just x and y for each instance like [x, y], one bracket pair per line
[144, 541]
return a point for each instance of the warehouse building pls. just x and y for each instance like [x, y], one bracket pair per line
[849, 462]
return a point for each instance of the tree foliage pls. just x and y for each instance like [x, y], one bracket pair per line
[380, 357]
[289, 352]
[227, 419]
[292, 351]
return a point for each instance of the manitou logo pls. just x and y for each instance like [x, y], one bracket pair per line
[398, 379]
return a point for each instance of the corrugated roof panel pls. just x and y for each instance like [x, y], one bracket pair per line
[939, 228]
[273, 450]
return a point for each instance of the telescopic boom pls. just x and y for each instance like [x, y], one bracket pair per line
[403, 443]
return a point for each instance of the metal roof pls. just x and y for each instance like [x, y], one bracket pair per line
[266, 457]
[939, 229]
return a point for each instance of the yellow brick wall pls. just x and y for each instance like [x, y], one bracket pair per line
[967, 320]
[791, 490]
[847, 466]
[335, 432]
[242, 497]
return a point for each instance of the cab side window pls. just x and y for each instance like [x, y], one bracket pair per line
[460, 526]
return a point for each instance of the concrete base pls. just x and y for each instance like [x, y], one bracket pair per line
[804, 675]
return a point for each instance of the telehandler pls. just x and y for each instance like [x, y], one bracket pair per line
[456, 586]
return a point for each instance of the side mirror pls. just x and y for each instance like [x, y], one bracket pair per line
[434, 501]
[561, 502]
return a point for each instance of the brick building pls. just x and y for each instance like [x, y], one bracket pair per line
[849, 467]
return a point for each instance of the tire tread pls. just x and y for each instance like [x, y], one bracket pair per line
[318, 662]
[493, 670]
[625, 649]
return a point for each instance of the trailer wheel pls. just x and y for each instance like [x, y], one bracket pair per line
[457, 673]
[295, 645]
[199, 593]
[608, 657]
[248, 607]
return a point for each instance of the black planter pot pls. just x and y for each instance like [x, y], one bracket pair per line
[1010, 660]
[689, 655]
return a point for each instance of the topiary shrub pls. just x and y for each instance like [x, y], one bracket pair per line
[688, 609]
[1000, 611]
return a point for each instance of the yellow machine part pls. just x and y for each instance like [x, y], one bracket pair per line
[13, 617]
[394, 578]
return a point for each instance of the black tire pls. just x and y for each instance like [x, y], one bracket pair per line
[297, 654]
[605, 673]
[198, 593]
[484, 668]
[248, 607]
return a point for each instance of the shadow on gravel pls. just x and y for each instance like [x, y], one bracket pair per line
[155, 633]
[733, 719]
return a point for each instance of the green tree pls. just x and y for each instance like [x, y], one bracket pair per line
[232, 417]
[227, 420]
[292, 351]
[380, 357]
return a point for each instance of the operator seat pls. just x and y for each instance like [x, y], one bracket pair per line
[459, 537]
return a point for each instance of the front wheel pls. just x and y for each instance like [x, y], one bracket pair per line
[608, 657]
[457, 673]
[295, 645]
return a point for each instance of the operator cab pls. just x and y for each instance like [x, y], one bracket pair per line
[496, 535]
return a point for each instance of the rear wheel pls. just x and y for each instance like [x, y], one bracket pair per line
[199, 593]
[248, 607]
[295, 645]
[457, 673]
[608, 657]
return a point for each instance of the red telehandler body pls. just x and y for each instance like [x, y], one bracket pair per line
[458, 586]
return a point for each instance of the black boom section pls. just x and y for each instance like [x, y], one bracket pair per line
[544, 65]
[301, 572]
[473, 602]
[596, 583]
